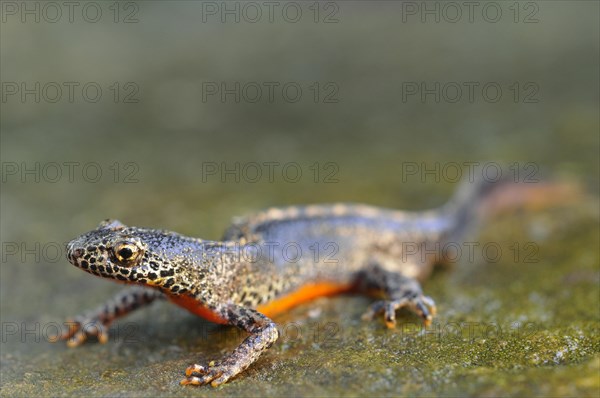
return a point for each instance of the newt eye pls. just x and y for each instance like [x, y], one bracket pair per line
[127, 252]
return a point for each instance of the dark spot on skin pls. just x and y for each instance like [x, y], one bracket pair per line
[175, 289]
[87, 256]
[109, 269]
[152, 276]
[170, 282]
[121, 277]
[101, 259]
[93, 267]
[154, 265]
[101, 268]
[93, 260]
[84, 264]
[168, 272]
[91, 248]
[142, 280]
[124, 271]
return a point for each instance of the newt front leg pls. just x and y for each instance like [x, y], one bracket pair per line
[263, 333]
[97, 321]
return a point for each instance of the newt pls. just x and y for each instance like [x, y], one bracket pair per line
[255, 272]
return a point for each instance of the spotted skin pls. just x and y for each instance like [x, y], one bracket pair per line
[344, 247]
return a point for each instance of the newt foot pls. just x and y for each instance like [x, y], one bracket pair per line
[422, 305]
[215, 374]
[80, 328]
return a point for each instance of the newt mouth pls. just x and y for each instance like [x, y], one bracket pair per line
[73, 254]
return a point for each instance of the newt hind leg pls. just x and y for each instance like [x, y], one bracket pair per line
[401, 292]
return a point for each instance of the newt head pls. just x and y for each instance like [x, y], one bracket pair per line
[133, 255]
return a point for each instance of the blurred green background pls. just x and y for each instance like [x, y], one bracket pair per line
[155, 131]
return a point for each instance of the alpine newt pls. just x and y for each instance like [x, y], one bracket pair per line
[256, 271]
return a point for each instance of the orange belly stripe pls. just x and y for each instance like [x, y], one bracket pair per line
[304, 294]
[193, 306]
